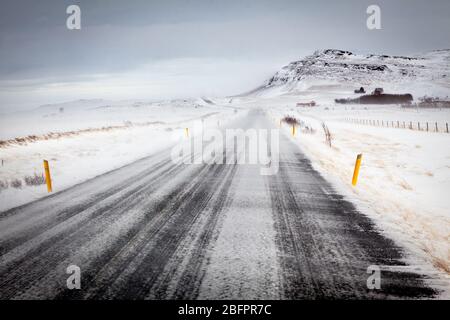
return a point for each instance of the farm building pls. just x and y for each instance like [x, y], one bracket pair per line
[306, 104]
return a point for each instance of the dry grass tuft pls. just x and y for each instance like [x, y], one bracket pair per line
[16, 183]
[35, 180]
[290, 120]
[3, 185]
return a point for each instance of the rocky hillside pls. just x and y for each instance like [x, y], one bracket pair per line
[346, 68]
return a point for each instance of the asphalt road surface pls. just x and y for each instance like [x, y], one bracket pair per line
[156, 229]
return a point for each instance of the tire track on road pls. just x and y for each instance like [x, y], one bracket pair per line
[46, 213]
[43, 259]
[119, 193]
[325, 244]
[133, 275]
[193, 262]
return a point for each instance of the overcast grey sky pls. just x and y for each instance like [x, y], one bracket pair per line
[143, 49]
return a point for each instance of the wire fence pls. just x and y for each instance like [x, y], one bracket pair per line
[410, 125]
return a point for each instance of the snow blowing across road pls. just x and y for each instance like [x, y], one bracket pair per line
[145, 212]
[158, 229]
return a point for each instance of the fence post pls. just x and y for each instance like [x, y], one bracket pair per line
[418, 126]
[427, 126]
[48, 179]
[445, 124]
[356, 171]
[437, 130]
[398, 124]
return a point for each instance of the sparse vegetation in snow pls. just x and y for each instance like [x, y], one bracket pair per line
[34, 180]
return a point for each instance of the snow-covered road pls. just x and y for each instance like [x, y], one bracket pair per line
[156, 229]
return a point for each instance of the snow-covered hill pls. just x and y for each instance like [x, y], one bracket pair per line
[421, 74]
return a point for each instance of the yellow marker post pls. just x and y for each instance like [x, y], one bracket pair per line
[186, 131]
[293, 130]
[356, 172]
[48, 179]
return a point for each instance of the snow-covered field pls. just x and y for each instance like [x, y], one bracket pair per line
[97, 113]
[121, 133]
